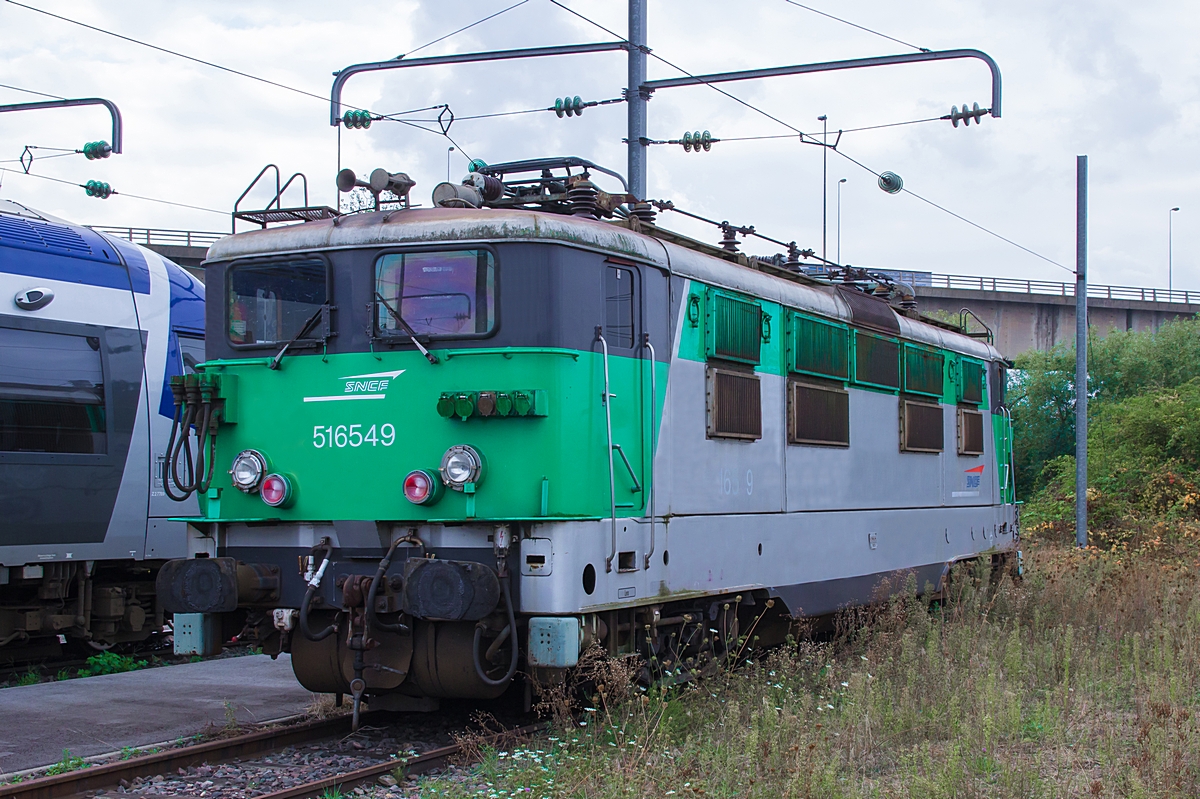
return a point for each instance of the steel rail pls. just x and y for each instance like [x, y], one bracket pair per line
[109, 774]
[421, 764]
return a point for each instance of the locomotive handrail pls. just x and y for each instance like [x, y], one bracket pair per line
[651, 485]
[612, 478]
[508, 352]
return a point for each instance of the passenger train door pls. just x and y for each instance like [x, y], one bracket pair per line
[70, 383]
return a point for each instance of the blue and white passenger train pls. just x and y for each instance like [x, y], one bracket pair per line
[91, 330]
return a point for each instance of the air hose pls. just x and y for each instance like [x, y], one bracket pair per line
[380, 574]
[509, 631]
[194, 403]
[314, 582]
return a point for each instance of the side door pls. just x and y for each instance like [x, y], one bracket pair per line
[70, 383]
[628, 401]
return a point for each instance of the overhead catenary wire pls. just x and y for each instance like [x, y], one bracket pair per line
[31, 91]
[793, 136]
[804, 136]
[856, 25]
[460, 30]
[115, 192]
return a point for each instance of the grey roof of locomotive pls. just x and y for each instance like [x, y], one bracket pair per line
[469, 226]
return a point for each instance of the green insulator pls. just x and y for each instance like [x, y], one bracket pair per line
[706, 141]
[476, 165]
[577, 105]
[558, 107]
[94, 150]
[464, 405]
[445, 406]
[96, 188]
[687, 142]
[696, 141]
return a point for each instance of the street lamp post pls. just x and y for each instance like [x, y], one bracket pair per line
[824, 120]
[839, 221]
[1170, 249]
[448, 151]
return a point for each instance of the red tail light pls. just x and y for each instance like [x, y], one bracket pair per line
[422, 487]
[276, 491]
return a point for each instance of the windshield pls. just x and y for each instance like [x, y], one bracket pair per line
[449, 293]
[270, 302]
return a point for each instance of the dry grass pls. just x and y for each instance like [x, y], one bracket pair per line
[1083, 680]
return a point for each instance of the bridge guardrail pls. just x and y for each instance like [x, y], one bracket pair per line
[161, 237]
[1016, 285]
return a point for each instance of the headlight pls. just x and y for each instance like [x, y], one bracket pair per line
[248, 469]
[461, 465]
[277, 491]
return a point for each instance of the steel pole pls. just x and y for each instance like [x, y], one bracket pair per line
[1170, 251]
[839, 221]
[824, 120]
[1081, 331]
[113, 111]
[637, 99]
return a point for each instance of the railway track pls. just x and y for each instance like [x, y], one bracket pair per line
[146, 768]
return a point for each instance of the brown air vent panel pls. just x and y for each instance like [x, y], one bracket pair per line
[921, 427]
[818, 415]
[970, 432]
[734, 405]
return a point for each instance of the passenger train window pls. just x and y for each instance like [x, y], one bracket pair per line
[619, 307]
[270, 302]
[191, 350]
[451, 293]
[51, 393]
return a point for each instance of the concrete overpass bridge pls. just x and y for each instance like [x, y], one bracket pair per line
[1038, 314]
[1022, 314]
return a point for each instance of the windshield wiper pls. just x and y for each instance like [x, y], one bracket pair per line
[312, 320]
[412, 334]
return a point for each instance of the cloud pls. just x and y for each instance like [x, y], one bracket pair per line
[1115, 81]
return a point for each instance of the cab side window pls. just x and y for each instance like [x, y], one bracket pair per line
[620, 307]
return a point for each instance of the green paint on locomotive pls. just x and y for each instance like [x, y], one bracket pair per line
[347, 428]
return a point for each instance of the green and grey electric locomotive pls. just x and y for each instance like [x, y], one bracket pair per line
[449, 445]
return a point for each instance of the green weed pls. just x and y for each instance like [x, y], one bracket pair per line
[110, 663]
[69, 762]
[1081, 680]
[31, 677]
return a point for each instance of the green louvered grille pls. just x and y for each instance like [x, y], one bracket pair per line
[735, 329]
[972, 382]
[876, 361]
[820, 348]
[923, 371]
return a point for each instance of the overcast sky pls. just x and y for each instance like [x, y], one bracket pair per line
[1118, 81]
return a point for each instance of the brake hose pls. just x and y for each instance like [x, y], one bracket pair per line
[314, 583]
[372, 619]
[512, 632]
